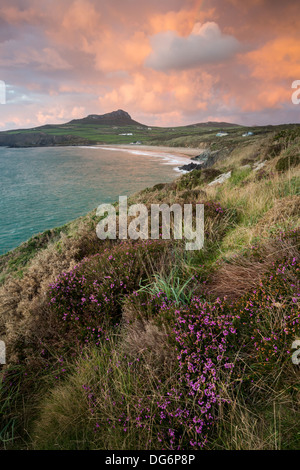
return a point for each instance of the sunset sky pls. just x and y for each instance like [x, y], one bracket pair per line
[166, 62]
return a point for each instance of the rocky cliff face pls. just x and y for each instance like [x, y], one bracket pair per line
[39, 139]
[39, 136]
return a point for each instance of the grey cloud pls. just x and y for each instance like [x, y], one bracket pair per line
[205, 45]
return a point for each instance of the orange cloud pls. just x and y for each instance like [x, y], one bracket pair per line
[158, 94]
[15, 16]
[271, 71]
[277, 59]
[115, 53]
[89, 56]
[180, 21]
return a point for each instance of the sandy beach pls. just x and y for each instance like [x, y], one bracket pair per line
[175, 156]
[184, 152]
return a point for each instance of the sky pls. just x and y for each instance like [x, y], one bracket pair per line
[165, 62]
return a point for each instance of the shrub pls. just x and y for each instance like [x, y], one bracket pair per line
[159, 186]
[197, 177]
[239, 275]
[270, 318]
[273, 150]
[289, 161]
[192, 194]
[137, 399]
[238, 176]
[87, 300]
[134, 406]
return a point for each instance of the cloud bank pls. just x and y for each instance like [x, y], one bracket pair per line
[167, 63]
[205, 45]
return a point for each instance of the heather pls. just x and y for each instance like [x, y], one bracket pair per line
[86, 303]
[142, 345]
[214, 349]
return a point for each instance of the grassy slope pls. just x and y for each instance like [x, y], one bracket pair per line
[191, 136]
[241, 149]
[256, 207]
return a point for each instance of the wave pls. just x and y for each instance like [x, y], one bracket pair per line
[168, 158]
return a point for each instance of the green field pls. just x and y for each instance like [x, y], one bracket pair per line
[187, 136]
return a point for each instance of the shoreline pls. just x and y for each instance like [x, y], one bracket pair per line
[184, 152]
[175, 156]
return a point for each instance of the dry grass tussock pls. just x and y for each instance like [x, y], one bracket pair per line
[24, 315]
[270, 425]
[145, 338]
[281, 215]
[243, 155]
[106, 384]
[23, 301]
[241, 274]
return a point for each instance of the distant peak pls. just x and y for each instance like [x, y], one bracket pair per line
[118, 113]
[115, 118]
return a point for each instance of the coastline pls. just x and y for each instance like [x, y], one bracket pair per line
[159, 155]
[172, 155]
[185, 152]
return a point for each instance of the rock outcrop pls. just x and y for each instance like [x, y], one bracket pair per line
[190, 167]
[39, 139]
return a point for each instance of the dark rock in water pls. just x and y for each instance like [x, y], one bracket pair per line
[203, 156]
[209, 157]
[190, 167]
[205, 160]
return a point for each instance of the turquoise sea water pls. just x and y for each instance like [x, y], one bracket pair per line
[42, 188]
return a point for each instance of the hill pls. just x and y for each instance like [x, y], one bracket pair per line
[115, 118]
[116, 127]
[214, 124]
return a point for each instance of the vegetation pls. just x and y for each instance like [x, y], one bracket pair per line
[118, 128]
[143, 345]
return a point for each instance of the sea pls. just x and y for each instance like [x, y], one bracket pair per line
[43, 188]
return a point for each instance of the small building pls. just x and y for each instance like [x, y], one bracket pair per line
[247, 134]
[221, 134]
